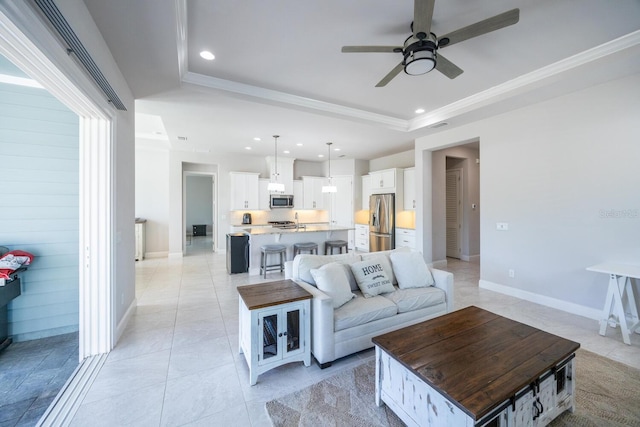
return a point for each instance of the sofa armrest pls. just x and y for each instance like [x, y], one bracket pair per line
[444, 281]
[322, 338]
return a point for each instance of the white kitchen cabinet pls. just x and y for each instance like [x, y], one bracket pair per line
[298, 192]
[285, 172]
[366, 191]
[405, 237]
[264, 196]
[341, 202]
[409, 183]
[383, 181]
[362, 237]
[312, 195]
[244, 190]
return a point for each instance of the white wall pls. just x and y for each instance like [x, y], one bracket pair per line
[152, 201]
[553, 171]
[39, 156]
[405, 159]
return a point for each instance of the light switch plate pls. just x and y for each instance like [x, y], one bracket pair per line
[502, 226]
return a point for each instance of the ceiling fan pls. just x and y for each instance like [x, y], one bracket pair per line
[420, 50]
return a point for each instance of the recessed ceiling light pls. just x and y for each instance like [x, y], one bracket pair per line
[320, 155]
[420, 111]
[207, 55]
[257, 139]
[286, 151]
[336, 149]
[299, 144]
[247, 148]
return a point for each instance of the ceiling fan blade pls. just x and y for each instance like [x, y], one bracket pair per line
[367, 49]
[479, 28]
[396, 70]
[447, 67]
[422, 16]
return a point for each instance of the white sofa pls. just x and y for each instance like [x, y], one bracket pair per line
[336, 333]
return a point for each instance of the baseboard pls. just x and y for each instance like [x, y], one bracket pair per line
[122, 325]
[64, 407]
[161, 254]
[558, 304]
[174, 255]
[471, 258]
[439, 264]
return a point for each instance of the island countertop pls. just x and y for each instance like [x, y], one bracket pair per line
[302, 229]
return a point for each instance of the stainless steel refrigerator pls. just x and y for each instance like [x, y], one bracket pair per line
[381, 222]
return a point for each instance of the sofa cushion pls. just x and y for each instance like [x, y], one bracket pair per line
[306, 262]
[411, 270]
[415, 298]
[387, 261]
[332, 280]
[362, 310]
[372, 276]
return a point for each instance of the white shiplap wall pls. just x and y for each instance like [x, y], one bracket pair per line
[39, 208]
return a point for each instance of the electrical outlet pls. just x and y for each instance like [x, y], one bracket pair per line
[502, 226]
[512, 273]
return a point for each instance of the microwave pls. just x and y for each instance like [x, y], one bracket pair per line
[281, 201]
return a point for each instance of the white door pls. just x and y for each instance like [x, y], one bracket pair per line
[454, 213]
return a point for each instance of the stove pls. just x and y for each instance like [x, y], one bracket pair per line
[282, 224]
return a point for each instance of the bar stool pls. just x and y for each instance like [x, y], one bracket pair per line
[305, 246]
[339, 244]
[267, 250]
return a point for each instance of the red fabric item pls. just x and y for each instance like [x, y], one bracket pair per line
[5, 273]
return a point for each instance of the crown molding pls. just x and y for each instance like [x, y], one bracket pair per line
[294, 100]
[519, 84]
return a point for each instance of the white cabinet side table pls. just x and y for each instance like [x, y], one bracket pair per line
[275, 326]
[620, 302]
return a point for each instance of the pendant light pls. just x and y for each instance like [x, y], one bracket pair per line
[329, 188]
[274, 185]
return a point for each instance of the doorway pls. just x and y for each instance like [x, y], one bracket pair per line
[454, 212]
[200, 212]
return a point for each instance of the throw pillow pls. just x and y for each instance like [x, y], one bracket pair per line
[371, 277]
[411, 270]
[332, 280]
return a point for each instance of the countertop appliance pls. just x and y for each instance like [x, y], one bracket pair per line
[246, 218]
[237, 253]
[381, 222]
[278, 201]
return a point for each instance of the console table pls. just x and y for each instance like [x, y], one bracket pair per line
[471, 368]
[620, 302]
[275, 325]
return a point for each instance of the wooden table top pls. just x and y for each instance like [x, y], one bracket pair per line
[475, 358]
[272, 293]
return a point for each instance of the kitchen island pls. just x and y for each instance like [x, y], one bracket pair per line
[319, 234]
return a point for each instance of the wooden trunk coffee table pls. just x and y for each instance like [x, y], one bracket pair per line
[472, 367]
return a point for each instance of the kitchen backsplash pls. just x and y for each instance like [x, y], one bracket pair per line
[263, 217]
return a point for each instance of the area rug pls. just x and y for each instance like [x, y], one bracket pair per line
[607, 394]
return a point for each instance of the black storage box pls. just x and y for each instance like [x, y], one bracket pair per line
[199, 230]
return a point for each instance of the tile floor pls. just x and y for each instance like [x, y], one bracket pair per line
[31, 375]
[178, 364]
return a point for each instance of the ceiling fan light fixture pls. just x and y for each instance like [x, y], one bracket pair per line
[419, 61]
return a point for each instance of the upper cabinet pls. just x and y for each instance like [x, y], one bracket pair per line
[409, 189]
[264, 197]
[342, 201]
[285, 172]
[312, 195]
[366, 191]
[384, 181]
[244, 190]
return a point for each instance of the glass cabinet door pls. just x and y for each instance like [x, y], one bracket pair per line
[294, 326]
[270, 340]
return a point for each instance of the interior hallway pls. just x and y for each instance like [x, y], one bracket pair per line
[178, 361]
